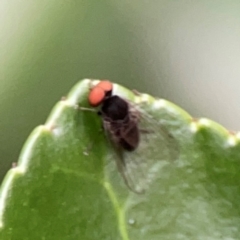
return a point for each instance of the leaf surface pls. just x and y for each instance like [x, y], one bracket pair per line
[66, 184]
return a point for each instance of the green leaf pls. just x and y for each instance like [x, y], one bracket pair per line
[66, 184]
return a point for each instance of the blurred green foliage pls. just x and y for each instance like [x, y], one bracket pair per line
[51, 46]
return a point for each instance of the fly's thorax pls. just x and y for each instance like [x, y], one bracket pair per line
[115, 108]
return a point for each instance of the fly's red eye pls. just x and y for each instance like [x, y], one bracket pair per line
[98, 93]
[106, 85]
[96, 96]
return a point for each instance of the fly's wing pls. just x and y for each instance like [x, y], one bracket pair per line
[157, 147]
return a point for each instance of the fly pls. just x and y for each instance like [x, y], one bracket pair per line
[134, 136]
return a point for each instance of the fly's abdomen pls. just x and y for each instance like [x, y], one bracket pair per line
[129, 137]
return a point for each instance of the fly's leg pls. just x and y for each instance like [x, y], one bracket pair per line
[136, 92]
[87, 109]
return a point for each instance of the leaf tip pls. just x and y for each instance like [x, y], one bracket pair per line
[204, 122]
[232, 141]
[160, 103]
[194, 126]
[238, 136]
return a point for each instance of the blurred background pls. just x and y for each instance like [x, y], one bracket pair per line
[185, 51]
